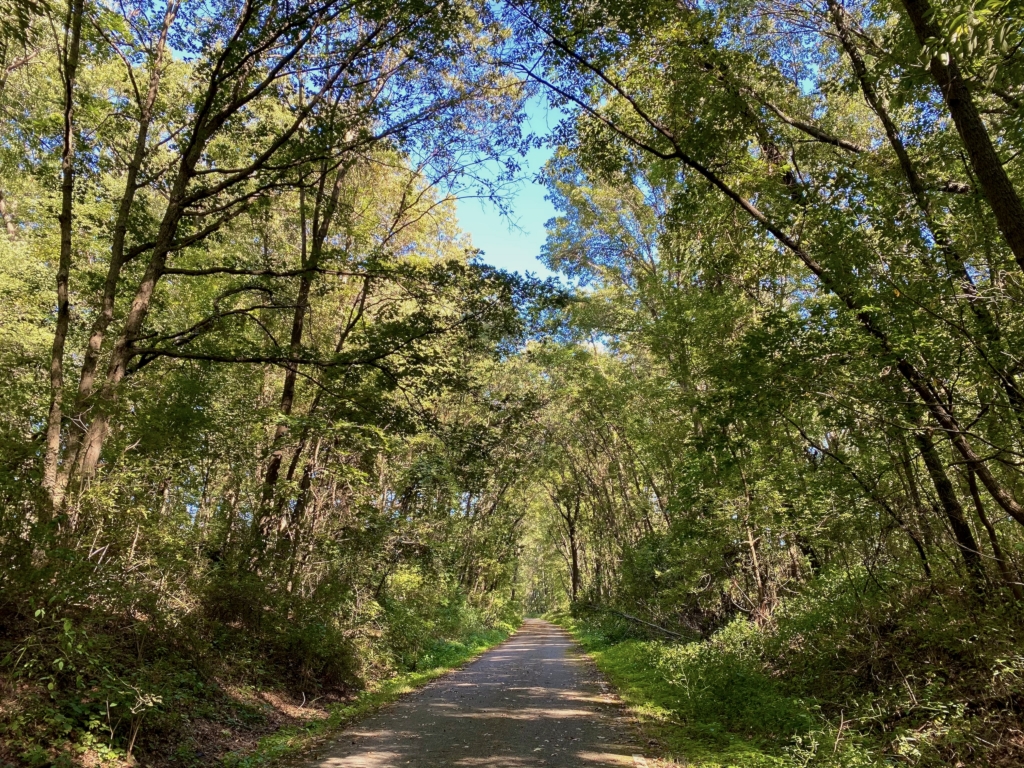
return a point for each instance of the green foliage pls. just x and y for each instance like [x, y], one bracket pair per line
[264, 461]
[757, 404]
[285, 432]
[91, 688]
[88, 697]
[441, 658]
[711, 703]
[845, 678]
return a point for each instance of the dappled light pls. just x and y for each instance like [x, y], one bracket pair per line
[286, 460]
[524, 704]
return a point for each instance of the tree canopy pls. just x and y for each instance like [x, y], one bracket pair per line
[265, 400]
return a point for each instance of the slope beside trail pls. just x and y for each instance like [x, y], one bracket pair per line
[528, 702]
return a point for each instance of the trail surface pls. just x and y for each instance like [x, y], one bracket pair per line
[528, 702]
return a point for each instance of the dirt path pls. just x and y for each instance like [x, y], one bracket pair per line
[529, 702]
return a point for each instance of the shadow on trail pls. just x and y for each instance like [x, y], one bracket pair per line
[529, 702]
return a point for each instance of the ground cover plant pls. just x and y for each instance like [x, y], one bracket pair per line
[879, 686]
[273, 432]
[305, 740]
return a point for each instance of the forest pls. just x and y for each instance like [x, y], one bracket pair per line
[276, 439]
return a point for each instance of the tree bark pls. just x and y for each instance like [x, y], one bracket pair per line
[90, 362]
[9, 223]
[951, 506]
[96, 432]
[575, 565]
[570, 512]
[70, 55]
[995, 184]
[997, 550]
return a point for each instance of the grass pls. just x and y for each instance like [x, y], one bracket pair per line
[842, 678]
[707, 706]
[294, 742]
[90, 688]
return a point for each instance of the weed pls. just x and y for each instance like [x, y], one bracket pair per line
[846, 677]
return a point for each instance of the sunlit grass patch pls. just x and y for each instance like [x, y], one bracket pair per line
[711, 706]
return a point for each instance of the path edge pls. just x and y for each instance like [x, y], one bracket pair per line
[302, 746]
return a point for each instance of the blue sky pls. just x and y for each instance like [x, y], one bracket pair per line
[514, 242]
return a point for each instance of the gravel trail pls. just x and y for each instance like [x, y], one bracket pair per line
[528, 702]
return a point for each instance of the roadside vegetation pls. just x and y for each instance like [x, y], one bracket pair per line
[302, 741]
[273, 433]
[783, 417]
[881, 685]
[249, 469]
[91, 688]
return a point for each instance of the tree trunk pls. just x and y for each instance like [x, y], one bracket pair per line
[323, 217]
[997, 551]
[69, 70]
[9, 223]
[575, 564]
[995, 184]
[90, 362]
[952, 508]
[570, 513]
[96, 433]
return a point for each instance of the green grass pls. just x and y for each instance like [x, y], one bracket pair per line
[707, 705]
[293, 742]
[841, 679]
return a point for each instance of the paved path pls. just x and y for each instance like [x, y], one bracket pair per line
[528, 702]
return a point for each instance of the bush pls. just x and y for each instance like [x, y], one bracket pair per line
[853, 672]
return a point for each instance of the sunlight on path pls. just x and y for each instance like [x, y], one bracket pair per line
[528, 702]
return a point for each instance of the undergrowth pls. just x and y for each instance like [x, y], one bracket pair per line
[81, 686]
[297, 740]
[850, 674]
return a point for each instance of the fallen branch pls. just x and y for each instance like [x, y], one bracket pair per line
[645, 623]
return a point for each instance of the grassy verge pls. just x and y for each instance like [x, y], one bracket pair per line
[76, 689]
[841, 679]
[704, 707]
[293, 743]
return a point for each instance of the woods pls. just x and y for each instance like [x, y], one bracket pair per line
[243, 427]
[810, 303]
[272, 424]
[794, 375]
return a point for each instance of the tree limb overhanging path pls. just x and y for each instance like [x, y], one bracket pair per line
[529, 702]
